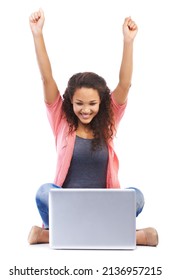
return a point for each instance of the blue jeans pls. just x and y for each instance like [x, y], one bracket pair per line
[42, 201]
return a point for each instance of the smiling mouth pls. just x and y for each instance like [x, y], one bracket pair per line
[85, 116]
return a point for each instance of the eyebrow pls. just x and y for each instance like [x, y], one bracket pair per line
[89, 101]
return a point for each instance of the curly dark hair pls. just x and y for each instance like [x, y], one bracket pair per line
[103, 124]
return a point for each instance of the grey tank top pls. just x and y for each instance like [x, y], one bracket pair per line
[88, 168]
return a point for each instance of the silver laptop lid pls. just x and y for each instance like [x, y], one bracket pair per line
[92, 219]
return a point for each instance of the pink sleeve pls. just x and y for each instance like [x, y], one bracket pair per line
[54, 113]
[118, 110]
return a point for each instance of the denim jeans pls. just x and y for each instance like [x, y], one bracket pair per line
[42, 201]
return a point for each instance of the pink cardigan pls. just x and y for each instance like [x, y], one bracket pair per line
[65, 143]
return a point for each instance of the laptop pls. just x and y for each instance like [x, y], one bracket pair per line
[92, 219]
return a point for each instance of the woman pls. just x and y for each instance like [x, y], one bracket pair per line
[84, 124]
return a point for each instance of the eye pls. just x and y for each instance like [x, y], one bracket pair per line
[79, 104]
[92, 104]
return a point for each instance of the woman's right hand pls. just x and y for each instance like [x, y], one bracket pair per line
[36, 20]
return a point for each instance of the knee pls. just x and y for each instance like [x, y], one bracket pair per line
[140, 201]
[42, 194]
[140, 198]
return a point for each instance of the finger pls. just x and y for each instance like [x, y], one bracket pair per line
[127, 19]
[32, 18]
[41, 13]
[131, 24]
[35, 16]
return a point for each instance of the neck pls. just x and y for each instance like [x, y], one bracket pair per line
[84, 131]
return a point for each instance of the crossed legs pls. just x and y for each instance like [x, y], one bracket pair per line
[147, 236]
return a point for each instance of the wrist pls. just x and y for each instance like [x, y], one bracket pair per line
[128, 41]
[37, 34]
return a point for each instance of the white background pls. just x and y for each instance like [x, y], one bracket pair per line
[83, 36]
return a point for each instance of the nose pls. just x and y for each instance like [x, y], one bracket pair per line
[86, 110]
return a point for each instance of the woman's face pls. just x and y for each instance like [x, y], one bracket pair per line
[86, 102]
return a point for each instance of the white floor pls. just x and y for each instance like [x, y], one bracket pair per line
[18, 217]
[18, 254]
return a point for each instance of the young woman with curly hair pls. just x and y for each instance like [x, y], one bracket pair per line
[84, 124]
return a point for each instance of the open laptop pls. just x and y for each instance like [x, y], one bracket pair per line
[92, 219]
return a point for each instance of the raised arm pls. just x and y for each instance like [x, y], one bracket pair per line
[125, 75]
[49, 85]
